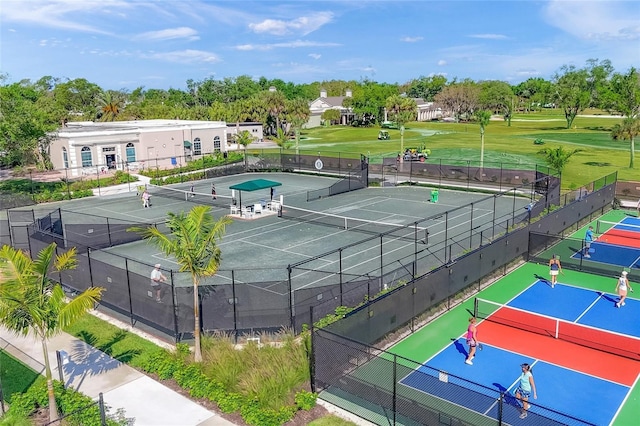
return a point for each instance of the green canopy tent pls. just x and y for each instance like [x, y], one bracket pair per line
[253, 185]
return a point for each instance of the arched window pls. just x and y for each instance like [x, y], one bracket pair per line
[65, 158]
[131, 153]
[85, 155]
[197, 147]
[216, 144]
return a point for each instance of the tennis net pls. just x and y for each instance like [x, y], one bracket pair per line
[193, 197]
[583, 335]
[412, 233]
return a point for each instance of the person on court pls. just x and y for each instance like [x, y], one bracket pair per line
[523, 392]
[472, 341]
[192, 190]
[213, 191]
[157, 277]
[146, 197]
[622, 286]
[554, 269]
[589, 237]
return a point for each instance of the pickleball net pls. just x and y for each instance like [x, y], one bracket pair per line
[411, 233]
[194, 197]
[618, 232]
[579, 334]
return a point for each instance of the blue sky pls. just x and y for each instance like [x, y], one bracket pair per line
[163, 43]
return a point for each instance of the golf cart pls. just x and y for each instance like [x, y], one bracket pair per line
[383, 135]
[416, 154]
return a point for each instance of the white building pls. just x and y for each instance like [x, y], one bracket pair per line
[324, 103]
[87, 147]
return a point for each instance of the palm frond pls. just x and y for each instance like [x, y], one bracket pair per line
[82, 303]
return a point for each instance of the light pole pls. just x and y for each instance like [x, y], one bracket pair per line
[401, 140]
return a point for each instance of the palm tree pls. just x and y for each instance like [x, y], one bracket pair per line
[30, 302]
[558, 157]
[627, 130]
[282, 139]
[483, 117]
[109, 105]
[244, 138]
[192, 241]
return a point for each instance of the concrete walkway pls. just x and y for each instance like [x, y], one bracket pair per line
[92, 372]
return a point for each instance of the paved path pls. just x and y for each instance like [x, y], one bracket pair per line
[92, 372]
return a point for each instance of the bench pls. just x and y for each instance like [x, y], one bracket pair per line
[628, 204]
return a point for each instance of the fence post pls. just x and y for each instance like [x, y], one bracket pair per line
[126, 270]
[103, 413]
[312, 357]
[395, 387]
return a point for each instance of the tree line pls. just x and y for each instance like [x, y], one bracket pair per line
[31, 111]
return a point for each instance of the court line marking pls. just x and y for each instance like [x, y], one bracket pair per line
[588, 308]
[624, 400]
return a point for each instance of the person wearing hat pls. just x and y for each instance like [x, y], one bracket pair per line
[156, 279]
[621, 287]
[523, 391]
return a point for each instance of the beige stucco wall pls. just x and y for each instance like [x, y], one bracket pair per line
[155, 146]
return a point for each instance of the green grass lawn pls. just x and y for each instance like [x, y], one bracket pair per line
[599, 155]
[16, 377]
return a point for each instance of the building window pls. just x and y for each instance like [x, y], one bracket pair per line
[65, 158]
[131, 153]
[216, 144]
[197, 147]
[109, 149]
[85, 155]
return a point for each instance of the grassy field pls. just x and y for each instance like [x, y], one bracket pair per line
[15, 376]
[599, 155]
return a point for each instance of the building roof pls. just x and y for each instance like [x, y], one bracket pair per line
[92, 128]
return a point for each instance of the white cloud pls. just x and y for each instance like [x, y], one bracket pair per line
[489, 36]
[315, 55]
[290, 45]
[595, 20]
[62, 14]
[442, 62]
[188, 56]
[169, 34]
[303, 25]
[411, 39]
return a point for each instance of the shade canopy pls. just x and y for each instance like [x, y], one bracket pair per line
[187, 144]
[255, 185]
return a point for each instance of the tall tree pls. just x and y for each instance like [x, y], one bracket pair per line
[459, 98]
[426, 87]
[32, 303]
[498, 97]
[193, 241]
[25, 126]
[483, 118]
[297, 115]
[110, 103]
[625, 93]
[572, 92]
[627, 130]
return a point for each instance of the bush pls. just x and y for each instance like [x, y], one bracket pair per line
[86, 411]
[203, 163]
[191, 376]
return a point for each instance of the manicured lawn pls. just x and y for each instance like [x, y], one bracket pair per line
[16, 377]
[599, 155]
[119, 344]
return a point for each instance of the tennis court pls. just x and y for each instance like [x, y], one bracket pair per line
[584, 351]
[265, 246]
